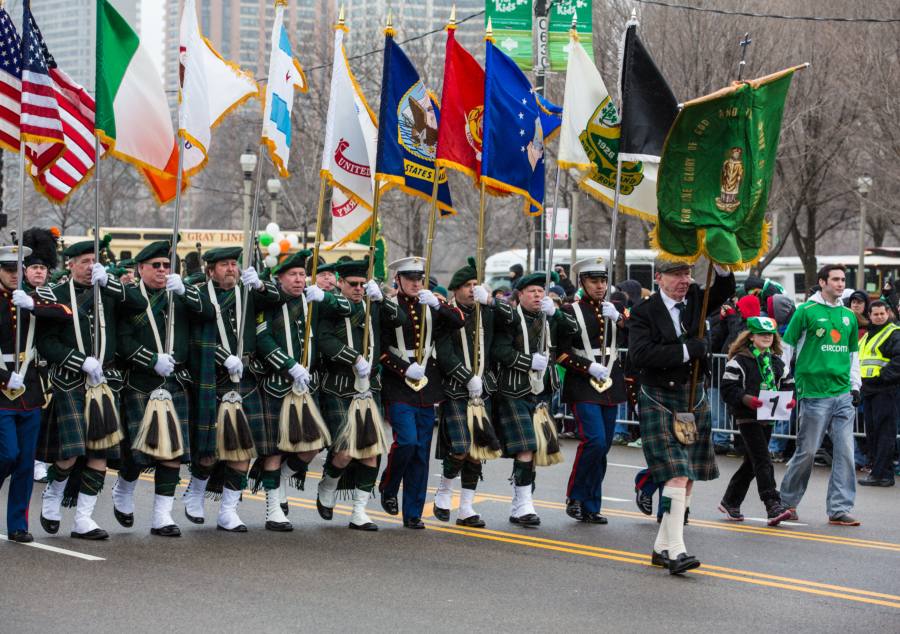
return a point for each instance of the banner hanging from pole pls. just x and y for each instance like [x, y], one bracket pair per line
[511, 21]
[561, 15]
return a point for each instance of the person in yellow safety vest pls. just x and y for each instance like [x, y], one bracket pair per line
[879, 362]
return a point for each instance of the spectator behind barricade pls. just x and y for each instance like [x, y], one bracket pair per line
[500, 292]
[564, 281]
[515, 274]
[632, 288]
[556, 291]
[858, 302]
[762, 289]
[889, 297]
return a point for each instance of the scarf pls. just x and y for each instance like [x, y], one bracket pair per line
[764, 363]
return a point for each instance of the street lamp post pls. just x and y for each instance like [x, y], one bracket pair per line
[864, 182]
[248, 164]
[274, 186]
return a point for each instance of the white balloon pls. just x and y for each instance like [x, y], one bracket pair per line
[272, 228]
[278, 237]
[293, 240]
[274, 249]
[271, 261]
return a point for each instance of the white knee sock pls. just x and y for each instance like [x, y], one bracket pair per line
[662, 537]
[675, 520]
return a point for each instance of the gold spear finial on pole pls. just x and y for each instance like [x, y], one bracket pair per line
[341, 17]
[453, 15]
[489, 32]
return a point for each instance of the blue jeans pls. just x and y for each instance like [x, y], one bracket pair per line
[413, 428]
[716, 408]
[18, 440]
[594, 424]
[780, 444]
[834, 415]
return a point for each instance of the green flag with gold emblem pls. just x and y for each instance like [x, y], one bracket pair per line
[716, 171]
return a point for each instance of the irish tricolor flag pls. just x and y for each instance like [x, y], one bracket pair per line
[132, 112]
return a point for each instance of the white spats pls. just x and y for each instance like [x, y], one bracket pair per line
[123, 495]
[53, 496]
[274, 514]
[466, 498]
[327, 488]
[444, 493]
[162, 511]
[193, 498]
[522, 502]
[228, 517]
[674, 521]
[358, 518]
[83, 521]
[40, 471]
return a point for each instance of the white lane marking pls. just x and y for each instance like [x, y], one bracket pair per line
[630, 466]
[615, 499]
[783, 522]
[61, 551]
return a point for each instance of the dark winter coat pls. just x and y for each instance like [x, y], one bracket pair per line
[742, 380]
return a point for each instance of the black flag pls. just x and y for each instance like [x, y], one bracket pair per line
[649, 106]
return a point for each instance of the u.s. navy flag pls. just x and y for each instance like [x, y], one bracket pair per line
[408, 121]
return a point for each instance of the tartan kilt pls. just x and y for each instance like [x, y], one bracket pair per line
[666, 457]
[64, 429]
[517, 423]
[252, 406]
[453, 427]
[133, 404]
[334, 410]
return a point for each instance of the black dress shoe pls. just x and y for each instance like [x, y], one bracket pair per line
[368, 526]
[683, 563]
[441, 514]
[389, 504]
[414, 522]
[573, 509]
[526, 520]
[660, 559]
[125, 519]
[21, 537]
[644, 502]
[97, 533]
[285, 508]
[324, 512]
[41, 480]
[192, 519]
[171, 530]
[51, 526]
[594, 518]
[875, 482]
[240, 528]
[279, 527]
[471, 522]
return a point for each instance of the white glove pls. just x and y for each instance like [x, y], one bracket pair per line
[22, 300]
[94, 368]
[165, 365]
[299, 374]
[250, 278]
[234, 365]
[481, 295]
[373, 291]
[363, 369]
[175, 284]
[598, 371]
[428, 298]
[548, 307]
[98, 274]
[16, 381]
[314, 294]
[475, 386]
[610, 311]
[721, 271]
[538, 362]
[415, 371]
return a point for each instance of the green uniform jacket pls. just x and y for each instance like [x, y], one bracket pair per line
[337, 357]
[56, 341]
[455, 381]
[136, 345]
[271, 340]
[508, 351]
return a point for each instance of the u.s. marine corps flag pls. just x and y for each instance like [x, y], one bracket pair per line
[716, 171]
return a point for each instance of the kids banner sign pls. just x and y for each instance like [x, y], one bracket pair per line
[716, 171]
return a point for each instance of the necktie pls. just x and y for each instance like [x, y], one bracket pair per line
[680, 307]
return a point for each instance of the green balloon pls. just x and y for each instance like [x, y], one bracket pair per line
[265, 239]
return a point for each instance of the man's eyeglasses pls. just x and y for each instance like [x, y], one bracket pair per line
[165, 265]
[354, 284]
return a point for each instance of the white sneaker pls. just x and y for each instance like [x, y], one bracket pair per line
[228, 519]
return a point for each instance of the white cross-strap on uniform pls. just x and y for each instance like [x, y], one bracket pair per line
[535, 376]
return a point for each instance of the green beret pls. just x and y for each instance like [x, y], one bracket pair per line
[354, 268]
[130, 262]
[197, 278]
[327, 268]
[293, 261]
[440, 290]
[464, 274]
[79, 248]
[222, 253]
[158, 249]
[538, 278]
[117, 271]
[58, 275]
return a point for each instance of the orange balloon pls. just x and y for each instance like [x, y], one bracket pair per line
[285, 246]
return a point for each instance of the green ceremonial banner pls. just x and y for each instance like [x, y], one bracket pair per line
[511, 21]
[716, 171]
[380, 250]
[558, 31]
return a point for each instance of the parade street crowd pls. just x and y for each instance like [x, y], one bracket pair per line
[244, 378]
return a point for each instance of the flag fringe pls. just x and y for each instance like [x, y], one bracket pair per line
[631, 211]
[240, 73]
[341, 27]
[349, 194]
[353, 236]
[553, 135]
[702, 251]
[529, 201]
[567, 165]
[459, 167]
[299, 68]
[141, 167]
[397, 182]
[276, 160]
[32, 138]
[237, 104]
[42, 189]
[450, 27]
[199, 168]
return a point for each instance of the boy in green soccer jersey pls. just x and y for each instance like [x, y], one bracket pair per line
[822, 336]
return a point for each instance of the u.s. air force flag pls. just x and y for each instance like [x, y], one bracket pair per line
[285, 75]
[408, 131]
[512, 149]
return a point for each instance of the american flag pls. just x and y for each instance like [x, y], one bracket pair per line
[40, 122]
[10, 83]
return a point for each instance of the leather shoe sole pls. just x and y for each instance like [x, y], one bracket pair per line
[97, 533]
[370, 526]
[414, 522]
[684, 563]
[125, 519]
[594, 518]
[279, 527]
[192, 519]
[526, 520]
[389, 505]
[441, 514]
[240, 528]
[471, 522]
[171, 530]
[21, 537]
[51, 526]
[660, 559]
[324, 512]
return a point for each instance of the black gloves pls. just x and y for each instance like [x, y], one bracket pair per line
[857, 399]
[696, 348]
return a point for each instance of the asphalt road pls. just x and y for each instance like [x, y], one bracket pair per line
[562, 576]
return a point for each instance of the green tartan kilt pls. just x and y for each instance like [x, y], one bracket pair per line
[252, 407]
[334, 410]
[133, 406]
[453, 428]
[517, 423]
[64, 429]
[666, 457]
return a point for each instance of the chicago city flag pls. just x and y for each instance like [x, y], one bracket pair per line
[285, 75]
